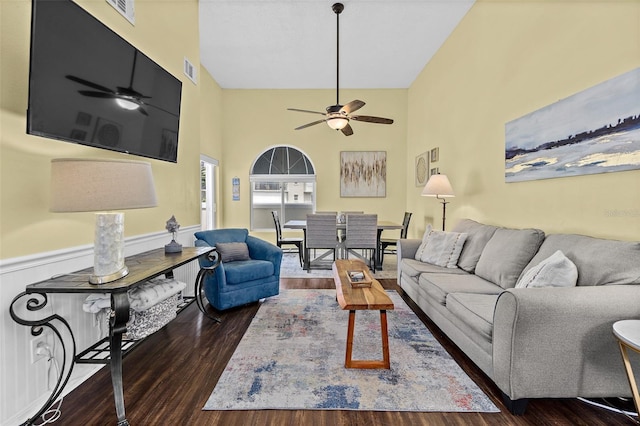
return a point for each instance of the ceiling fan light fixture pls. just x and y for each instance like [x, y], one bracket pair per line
[337, 123]
[128, 104]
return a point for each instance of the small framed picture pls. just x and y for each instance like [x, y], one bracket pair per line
[435, 154]
[434, 171]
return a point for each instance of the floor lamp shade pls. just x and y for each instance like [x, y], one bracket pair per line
[93, 185]
[439, 186]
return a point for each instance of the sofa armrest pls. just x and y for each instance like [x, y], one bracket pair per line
[558, 342]
[407, 248]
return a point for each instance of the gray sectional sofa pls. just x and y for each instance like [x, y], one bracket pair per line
[547, 342]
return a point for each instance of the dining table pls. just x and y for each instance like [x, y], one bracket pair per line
[382, 225]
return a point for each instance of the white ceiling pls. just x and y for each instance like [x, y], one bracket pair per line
[275, 44]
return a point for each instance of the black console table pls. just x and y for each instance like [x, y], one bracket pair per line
[142, 267]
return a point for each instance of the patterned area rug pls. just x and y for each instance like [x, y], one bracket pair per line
[290, 268]
[292, 357]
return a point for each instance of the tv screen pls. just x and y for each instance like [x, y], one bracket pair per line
[88, 85]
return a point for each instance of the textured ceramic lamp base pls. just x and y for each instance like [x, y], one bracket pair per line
[108, 264]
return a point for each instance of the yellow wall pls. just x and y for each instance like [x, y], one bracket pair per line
[166, 32]
[503, 61]
[258, 119]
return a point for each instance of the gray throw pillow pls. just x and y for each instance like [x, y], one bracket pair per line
[556, 270]
[506, 255]
[231, 252]
[442, 248]
[423, 244]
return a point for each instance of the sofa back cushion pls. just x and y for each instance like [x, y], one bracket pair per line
[599, 261]
[478, 235]
[507, 253]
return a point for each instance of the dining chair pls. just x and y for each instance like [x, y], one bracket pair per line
[320, 234]
[388, 245]
[292, 241]
[362, 234]
[342, 219]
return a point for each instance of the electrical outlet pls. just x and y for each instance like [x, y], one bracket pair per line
[37, 346]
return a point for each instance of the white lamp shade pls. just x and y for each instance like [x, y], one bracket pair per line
[438, 186]
[84, 185]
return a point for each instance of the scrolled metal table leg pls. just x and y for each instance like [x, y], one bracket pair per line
[35, 303]
[117, 326]
[214, 257]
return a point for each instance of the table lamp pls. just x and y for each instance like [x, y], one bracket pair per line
[96, 185]
[438, 186]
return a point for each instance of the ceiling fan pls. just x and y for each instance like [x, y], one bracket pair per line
[125, 97]
[338, 116]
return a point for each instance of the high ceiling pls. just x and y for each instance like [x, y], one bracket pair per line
[275, 44]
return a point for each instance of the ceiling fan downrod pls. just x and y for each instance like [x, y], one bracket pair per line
[337, 8]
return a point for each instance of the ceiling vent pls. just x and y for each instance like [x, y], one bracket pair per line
[125, 8]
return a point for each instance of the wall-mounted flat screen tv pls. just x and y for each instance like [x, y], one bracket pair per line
[88, 85]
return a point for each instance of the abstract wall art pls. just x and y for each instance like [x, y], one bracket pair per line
[363, 174]
[594, 131]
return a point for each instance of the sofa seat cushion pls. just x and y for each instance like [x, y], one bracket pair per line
[599, 261]
[438, 286]
[241, 271]
[478, 235]
[507, 253]
[474, 310]
[413, 268]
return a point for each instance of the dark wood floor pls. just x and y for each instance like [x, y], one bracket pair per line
[168, 378]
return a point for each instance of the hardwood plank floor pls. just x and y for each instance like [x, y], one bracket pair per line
[168, 378]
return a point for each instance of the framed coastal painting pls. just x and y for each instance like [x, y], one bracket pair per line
[594, 131]
[363, 174]
[422, 169]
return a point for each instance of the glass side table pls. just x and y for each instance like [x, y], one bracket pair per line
[628, 334]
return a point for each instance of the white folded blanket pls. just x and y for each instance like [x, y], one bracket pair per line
[141, 297]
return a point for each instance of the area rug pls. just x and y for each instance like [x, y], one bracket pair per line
[292, 358]
[290, 268]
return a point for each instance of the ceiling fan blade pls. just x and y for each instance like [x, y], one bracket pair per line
[305, 110]
[143, 111]
[93, 94]
[89, 83]
[304, 126]
[370, 119]
[353, 106]
[347, 130]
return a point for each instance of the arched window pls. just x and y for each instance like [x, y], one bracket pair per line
[282, 178]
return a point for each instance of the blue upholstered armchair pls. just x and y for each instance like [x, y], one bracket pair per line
[246, 273]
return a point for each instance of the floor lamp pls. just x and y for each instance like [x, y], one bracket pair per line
[84, 185]
[438, 186]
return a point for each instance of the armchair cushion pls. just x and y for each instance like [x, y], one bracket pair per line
[247, 270]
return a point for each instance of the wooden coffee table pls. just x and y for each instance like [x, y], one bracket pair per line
[353, 299]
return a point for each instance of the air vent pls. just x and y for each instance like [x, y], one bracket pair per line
[190, 71]
[125, 8]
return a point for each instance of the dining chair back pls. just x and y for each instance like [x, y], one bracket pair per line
[388, 245]
[362, 234]
[291, 241]
[321, 233]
